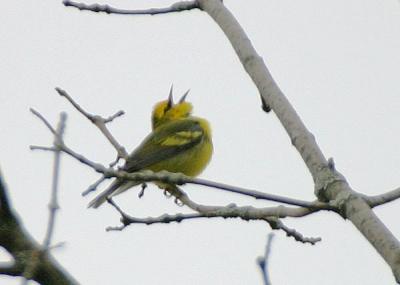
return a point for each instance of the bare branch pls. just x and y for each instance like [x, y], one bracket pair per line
[270, 215]
[258, 194]
[10, 269]
[54, 206]
[32, 263]
[330, 185]
[270, 92]
[277, 224]
[263, 261]
[113, 117]
[246, 213]
[94, 186]
[15, 240]
[377, 200]
[47, 124]
[45, 148]
[99, 122]
[163, 219]
[96, 166]
[176, 7]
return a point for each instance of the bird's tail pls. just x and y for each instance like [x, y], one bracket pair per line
[102, 197]
[116, 188]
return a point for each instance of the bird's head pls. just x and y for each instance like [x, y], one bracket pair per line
[166, 111]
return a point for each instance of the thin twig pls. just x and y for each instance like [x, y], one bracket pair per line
[47, 124]
[176, 7]
[163, 219]
[257, 194]
[54, 206]
[45, 148]
[96, 166]
[113, 117]
[263, 261]
[99, 122]
[34, 259]
[94, 186]
[277, 224]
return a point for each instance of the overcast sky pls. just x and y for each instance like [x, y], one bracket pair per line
[338, 63]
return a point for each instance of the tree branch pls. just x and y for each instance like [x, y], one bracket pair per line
[45, 122]
[330, 185]
[15, 240]
[176, 7]
[10, 269]
[99, 122]
[377, 200]
[53, 205]
[259, 195]
[270, 215]
[127, 220]
[263, 261]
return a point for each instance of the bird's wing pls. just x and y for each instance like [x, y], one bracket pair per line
[165, 142]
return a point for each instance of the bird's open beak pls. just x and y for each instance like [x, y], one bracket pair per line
[170, 98]
[184, 96]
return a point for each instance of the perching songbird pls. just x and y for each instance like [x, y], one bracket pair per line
[179, 142]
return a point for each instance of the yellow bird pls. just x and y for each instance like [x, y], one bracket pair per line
[179, 142]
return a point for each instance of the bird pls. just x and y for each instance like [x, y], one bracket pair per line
[178, 142]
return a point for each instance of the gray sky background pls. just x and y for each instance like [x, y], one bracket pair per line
[338, 63]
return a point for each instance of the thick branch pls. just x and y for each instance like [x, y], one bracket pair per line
[253, 63]
[329, 184]
[176, 7]
[21, 246]
[10, 269]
